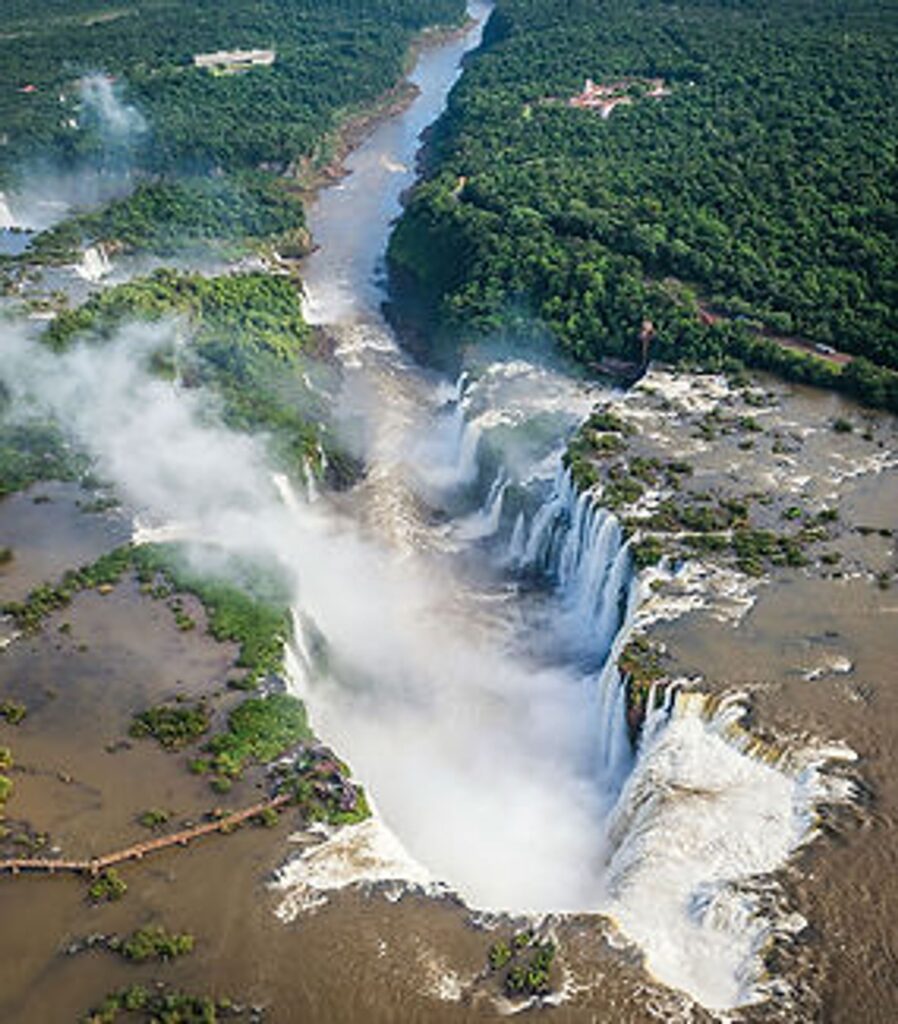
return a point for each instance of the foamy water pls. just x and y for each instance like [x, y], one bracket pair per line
[471, 685]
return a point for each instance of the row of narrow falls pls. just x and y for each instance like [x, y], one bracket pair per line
[458, 619]
[487, 714]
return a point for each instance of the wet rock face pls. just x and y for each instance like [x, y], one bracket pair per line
[320, 785]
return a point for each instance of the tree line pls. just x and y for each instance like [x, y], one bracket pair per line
[764, 185]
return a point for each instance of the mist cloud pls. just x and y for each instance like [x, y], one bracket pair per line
[47, 191]
[469, 752]
[119, 122]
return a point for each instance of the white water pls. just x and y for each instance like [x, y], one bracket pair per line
[485, 521]
[697, 821]
[574, 541]
[95, 264]
[7, 220]
[486, 721]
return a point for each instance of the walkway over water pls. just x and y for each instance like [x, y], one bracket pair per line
[138, 851]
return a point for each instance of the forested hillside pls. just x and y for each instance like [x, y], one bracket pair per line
[759, 188]
[331, 54]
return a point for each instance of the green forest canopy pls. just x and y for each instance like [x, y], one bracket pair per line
[765, 185]
[331, 55]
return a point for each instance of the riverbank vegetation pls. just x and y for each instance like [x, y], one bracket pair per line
[248, 607]
[248, 343]
[154, 153]
[163, 1004]
[321, 786]
[32, 451]
[330, 55]
[251, 612]
[260, 729]
[753, 203]
[169, 217]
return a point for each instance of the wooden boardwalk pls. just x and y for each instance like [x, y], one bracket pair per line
[138, 851]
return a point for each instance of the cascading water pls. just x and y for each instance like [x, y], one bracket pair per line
[471, 744]
[95, 264]
[485, 521]
[578, 546]
[7, 220]
[448, 457]
[507, 773]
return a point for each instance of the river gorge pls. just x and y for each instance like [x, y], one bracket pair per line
[459, 613]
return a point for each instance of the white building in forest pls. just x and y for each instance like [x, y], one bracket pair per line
[231, 61]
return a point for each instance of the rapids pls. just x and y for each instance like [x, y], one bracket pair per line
[458, 616]
[481, 701]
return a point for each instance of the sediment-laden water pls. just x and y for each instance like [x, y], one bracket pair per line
[458, 615]
[481, 703]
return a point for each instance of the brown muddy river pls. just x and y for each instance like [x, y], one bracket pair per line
[473, 608]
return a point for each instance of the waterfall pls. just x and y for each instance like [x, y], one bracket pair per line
[485, 521]
[464, 466]
[287, 493]
[615, 755]
[449, 460]
[656, 717]
[548, 517]
[308, 475]
[7, 220]
[580, 547]
[518, 539]
[298, 661]
[95, 264]
[610, 610]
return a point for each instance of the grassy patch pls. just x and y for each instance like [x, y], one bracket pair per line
[171, 725]
[108, 887]
[259, 729]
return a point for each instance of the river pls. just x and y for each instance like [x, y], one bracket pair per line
[475, 689]
[459, 612]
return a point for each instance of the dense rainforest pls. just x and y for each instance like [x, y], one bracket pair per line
[330, 55]
[104, 98]
[747, 199]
